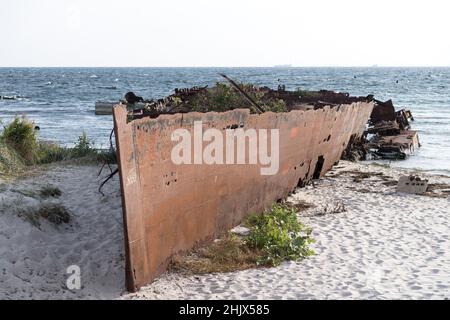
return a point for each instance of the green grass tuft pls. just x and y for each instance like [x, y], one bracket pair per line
[54, 213]
[10, 162]
[20, 135]
[20, 147]
[84, 147]
[50, 152]
[50, 191]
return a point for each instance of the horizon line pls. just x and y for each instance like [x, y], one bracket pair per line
[234, 67]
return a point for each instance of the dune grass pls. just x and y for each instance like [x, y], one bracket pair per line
[224, 255]
[10, 161]
[54, 213]
[50, 192]
[20, 147]
[20, 135]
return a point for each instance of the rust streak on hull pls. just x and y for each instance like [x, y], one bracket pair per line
[169, 208]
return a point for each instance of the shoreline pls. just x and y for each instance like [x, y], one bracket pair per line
[385, 245]
[398, 166]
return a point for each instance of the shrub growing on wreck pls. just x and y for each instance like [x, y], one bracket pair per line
[220, 98]
[277, 105]
[223, 97]
[279, 235]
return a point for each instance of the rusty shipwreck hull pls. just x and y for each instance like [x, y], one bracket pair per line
[169, 208]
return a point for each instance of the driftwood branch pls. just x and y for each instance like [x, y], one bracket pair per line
[113, 173]
[258, 108]
[106, 180]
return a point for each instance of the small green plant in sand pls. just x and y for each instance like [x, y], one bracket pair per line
[279, 235]
[50, 191]
[274, 236]
[54, 213]
[84, 147]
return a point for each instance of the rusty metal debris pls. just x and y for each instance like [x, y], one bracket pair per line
[382, 111]
[387, 137]
[130, 97]
[220, 98]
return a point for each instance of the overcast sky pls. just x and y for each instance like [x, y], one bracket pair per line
[224, 33]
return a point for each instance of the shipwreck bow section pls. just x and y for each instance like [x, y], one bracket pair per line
[169, 208]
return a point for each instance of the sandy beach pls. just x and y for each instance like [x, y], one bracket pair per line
[34, 261]
[383, 245]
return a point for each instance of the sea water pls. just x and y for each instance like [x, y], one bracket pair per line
[61, 100]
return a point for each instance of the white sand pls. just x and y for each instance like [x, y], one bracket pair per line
[33, 262]
[386, 245]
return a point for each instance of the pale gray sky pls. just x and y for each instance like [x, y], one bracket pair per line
[224, 33]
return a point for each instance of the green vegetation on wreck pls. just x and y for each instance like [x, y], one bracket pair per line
[20, 147]
[223, 97]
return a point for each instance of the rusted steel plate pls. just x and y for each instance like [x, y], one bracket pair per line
[169, 208]
[383, 111]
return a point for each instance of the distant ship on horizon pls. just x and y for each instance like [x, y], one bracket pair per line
[283, 66]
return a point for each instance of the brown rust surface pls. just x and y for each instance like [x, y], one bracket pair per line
[169, 208]
[407, 141]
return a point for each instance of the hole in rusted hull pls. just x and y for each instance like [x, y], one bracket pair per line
[319, 166]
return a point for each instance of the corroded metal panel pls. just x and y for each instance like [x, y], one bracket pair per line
[170, 208]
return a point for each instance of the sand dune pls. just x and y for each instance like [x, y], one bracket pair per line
[33, 262]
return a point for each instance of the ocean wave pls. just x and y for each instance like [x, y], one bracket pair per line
[56, 94]
[108, 87]
[404, 165]
[442, 172]
[13, 98]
